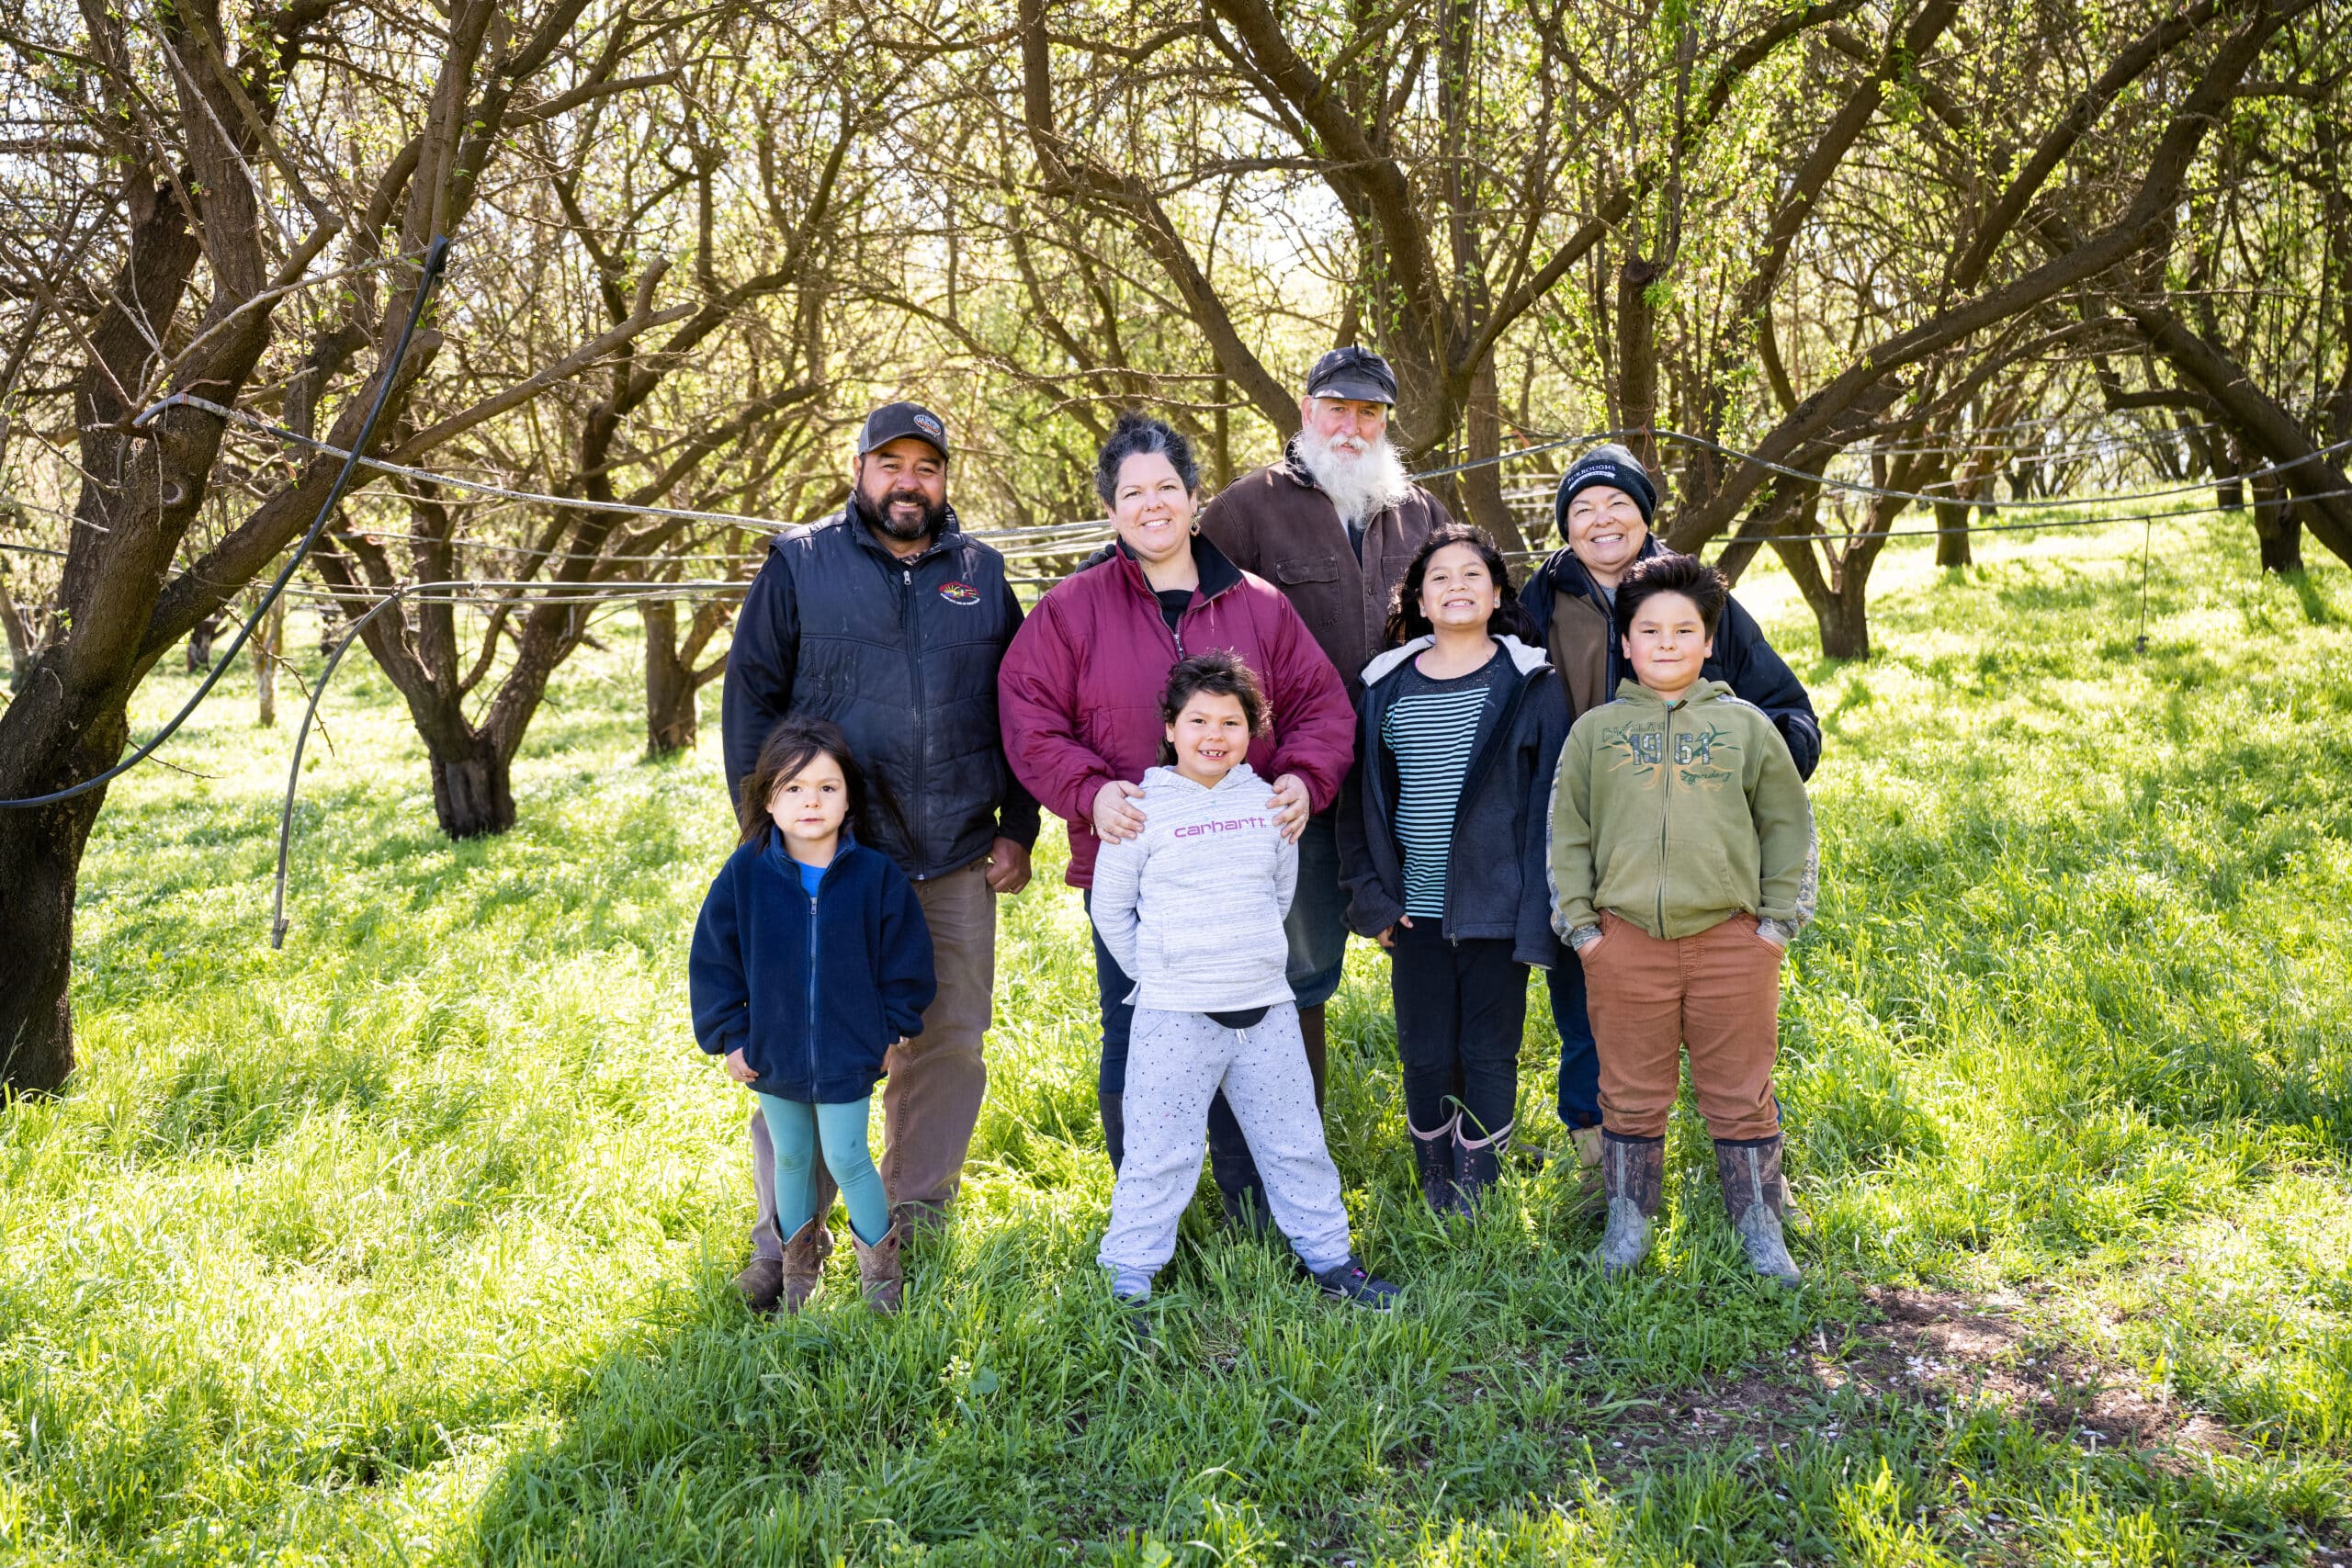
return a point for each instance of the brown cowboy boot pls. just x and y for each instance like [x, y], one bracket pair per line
[880, 1271]
[803, 1264]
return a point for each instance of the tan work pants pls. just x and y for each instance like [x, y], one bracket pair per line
[1718, 993]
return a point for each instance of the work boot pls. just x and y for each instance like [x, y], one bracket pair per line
[1478, 1163]
[1633, 1180]
[1750, 1174]
[1433, 1159]
[1587, 1142]
[1310, 1030]
[761, 1282]
[879, 1274]
[804, 1264]
[922, 1224]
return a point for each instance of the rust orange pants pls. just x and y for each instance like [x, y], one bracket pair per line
[1718, 993]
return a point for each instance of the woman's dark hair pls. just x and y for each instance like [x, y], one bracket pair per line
[1406, 620]
[1135, 435]
[1217, 673]
[791, 746]
[1671, 573]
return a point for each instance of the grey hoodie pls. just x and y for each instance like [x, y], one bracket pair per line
[1193, 905]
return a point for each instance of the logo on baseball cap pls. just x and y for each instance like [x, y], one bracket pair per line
[893, 421]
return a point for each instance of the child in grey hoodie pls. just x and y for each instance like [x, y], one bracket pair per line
[1192, 908]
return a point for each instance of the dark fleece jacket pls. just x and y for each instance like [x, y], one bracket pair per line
[812, 990]
[1497, 883]
[1573, 617]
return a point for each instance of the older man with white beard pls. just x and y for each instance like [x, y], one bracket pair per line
[1333, 524]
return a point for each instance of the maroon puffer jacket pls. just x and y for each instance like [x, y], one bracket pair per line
[1078, 694]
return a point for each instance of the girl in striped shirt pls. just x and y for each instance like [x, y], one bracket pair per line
[1442, 848]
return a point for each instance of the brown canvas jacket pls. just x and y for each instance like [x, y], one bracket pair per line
[1274, 522]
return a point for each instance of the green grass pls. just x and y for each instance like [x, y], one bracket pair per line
[411, 1242]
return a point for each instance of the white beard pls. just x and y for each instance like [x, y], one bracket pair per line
[1362, 484]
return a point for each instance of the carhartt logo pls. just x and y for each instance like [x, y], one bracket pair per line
[959, 593]
[1195, 829]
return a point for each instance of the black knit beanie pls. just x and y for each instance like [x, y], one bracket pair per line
[1610, 465]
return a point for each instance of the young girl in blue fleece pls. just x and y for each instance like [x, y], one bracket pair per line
[810, 958]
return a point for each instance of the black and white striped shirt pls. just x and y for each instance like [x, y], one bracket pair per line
[1431, 729]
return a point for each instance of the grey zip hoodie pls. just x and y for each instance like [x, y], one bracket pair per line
[1193, 905]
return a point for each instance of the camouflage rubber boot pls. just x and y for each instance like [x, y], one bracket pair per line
[803, 1264]
[1750, 1174]
[1633, 1180]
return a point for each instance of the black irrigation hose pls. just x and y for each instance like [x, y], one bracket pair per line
[435, 259]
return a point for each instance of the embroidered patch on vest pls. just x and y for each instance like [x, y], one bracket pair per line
[959, 593]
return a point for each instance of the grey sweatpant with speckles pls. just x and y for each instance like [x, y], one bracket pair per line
[1176, 1063]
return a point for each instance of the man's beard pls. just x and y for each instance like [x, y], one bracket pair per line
[1363, 479]
[877, 515]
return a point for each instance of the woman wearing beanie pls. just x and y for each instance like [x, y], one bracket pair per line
[1603, 510]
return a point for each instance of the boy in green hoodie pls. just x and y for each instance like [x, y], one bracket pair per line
[1682, 866]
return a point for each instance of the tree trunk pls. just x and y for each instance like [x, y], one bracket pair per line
[199, 644]
[1481, 488]
[472, 793]
[1637, 361]
[40, 861]
[267, 643]
[1952, 539]
[669, 684]
[2278, 530]
[20, 636]
[1840, 603]
[1845, 624]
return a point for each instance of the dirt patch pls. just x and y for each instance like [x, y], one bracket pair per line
[1927, 1348]
[1949, 1345]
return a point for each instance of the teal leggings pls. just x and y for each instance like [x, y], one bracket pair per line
[796, 1130]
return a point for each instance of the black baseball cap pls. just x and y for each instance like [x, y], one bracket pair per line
[1355, 373]
[893, 421]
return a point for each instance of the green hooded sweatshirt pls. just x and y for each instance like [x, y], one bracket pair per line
[1678, 816]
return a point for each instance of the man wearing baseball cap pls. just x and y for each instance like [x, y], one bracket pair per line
[1603, 510]
[1333, 524]
[890, 621]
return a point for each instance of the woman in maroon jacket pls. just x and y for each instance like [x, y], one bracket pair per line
[1078, 696]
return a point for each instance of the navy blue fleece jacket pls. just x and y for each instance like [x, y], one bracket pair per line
[813, 989]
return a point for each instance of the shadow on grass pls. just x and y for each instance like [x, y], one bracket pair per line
[1012, 1415]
